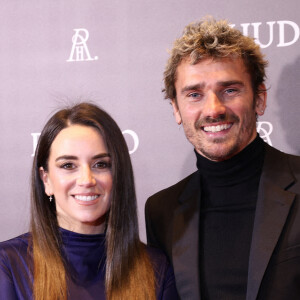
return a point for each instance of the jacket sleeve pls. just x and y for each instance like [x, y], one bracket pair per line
[151, 238]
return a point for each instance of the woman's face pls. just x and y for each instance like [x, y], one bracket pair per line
[79, 176]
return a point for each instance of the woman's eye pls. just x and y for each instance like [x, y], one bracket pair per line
[68, 166]
[102, 165]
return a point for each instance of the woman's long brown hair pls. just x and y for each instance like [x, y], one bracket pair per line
[129, 272]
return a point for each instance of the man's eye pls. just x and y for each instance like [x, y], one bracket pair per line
[230, 91]
[194, 96]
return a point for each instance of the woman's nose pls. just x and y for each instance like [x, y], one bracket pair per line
[86, 177]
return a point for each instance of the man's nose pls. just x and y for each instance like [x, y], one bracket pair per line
[86, 177]
[213, 106]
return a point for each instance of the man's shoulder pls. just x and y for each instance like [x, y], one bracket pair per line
[294, 162]
[276, 158]
[159, 212]
[169, 194]
[274, 151]
[294, 165]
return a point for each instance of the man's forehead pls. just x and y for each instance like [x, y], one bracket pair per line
[211, 59]
[236, 63]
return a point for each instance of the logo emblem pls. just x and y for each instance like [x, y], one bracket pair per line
[265, 129]
[285, 32]
[80, 51]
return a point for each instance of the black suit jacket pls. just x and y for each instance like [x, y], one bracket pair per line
[172, 220]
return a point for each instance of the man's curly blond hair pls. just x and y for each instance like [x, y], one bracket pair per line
[214, 39]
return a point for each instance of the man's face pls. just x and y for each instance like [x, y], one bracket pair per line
[216, 106]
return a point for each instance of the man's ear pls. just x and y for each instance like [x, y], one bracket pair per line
[176, 112]
[261, 100]
[46, 180]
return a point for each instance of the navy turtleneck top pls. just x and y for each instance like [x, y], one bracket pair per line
[85, 258]
[229, 192]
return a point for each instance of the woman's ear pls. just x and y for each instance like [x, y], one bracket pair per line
[46, 180]
[261, 100]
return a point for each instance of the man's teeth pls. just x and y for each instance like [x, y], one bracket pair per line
[86, 198]
[216, 128]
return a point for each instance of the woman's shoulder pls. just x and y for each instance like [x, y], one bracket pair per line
[164, 275]
[18, 240]
[160, 262]
[17, 245]
[16, 268]
[157, 256]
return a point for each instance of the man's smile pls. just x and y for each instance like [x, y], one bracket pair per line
[216, 128]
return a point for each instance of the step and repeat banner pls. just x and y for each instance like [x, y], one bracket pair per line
[113, 53]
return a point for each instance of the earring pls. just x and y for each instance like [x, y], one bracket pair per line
[50, 198]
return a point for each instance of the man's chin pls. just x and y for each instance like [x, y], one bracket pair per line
[218, 152]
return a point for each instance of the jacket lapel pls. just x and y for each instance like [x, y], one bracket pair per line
[273, 206]
[186, 240]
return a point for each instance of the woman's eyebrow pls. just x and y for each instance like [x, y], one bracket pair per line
[101, 155]
[73, 157]
[66, 157]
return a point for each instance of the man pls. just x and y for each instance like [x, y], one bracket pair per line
[232, 228]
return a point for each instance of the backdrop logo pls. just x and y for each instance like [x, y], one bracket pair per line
[265, 129]
[135, 139]
[131, 133]
[287, 32]
[80, 50]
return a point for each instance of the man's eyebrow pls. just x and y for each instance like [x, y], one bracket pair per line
[199, 86]
[72, 157]
[230, 82]
[192, 87]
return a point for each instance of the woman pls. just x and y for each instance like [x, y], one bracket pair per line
[83, 242]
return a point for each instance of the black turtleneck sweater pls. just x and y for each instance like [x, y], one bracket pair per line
[228, 202]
